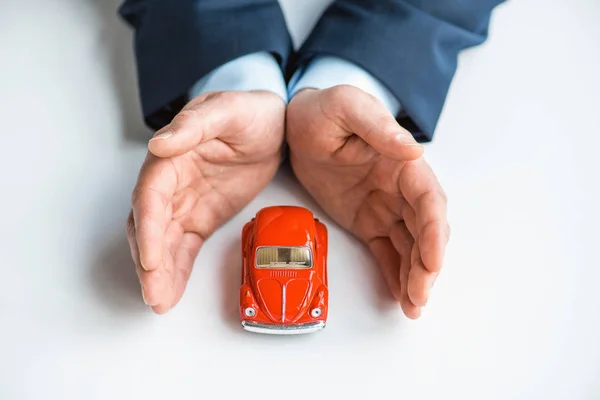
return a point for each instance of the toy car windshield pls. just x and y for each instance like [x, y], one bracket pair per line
[283, 257]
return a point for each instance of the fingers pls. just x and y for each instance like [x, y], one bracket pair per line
[148, 222]
[403, 243]
[184, 262]
[389, 262]
[134, 248]
[197, 122]
[423, 192]
[152, 283]
[157, 288]
[410, 220]
[433, 239]
[163, 288]
[362, 114]
[392, 262]
[420, 280]
[151, 202]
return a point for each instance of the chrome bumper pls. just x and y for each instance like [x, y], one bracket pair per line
[283, 329]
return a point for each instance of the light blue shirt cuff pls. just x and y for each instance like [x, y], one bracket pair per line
[325, 71]
[256, 71]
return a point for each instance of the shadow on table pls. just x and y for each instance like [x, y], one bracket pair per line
[230, 271]
[117, 40]
[114, 279]
[376, 289]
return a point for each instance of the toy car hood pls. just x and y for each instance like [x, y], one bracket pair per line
[284, 295]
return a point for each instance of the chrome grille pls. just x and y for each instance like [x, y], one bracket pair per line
[284, 274]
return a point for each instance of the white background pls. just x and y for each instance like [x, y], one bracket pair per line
[515, 313]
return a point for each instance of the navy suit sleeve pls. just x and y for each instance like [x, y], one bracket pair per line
[177, 42]
[411, 46]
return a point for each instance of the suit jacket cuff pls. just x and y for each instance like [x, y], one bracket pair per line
[177, 42]
[412, 51]
[256, 71]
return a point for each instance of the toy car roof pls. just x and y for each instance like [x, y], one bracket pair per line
[284, 226]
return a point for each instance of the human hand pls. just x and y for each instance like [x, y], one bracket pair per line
[215, 156]
[368, 174]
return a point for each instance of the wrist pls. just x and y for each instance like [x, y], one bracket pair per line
[324, 72]
[270, 94]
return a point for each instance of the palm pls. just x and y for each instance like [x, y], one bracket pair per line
[385, 200]
[182, 197]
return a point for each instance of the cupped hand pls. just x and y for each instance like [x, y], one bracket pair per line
[369, 175]
[215, 156]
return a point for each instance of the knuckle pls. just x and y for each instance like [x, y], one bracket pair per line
[338, 93]
[443, 195]
[135, 196]
[229, 97]
[342, 93]
[130, 224]
[433, 196]
[184, 116]
[391, 128]
[335, 92]
[220, 95]
[332, 102]
[198, 100]
[387, 125]
[425, 197]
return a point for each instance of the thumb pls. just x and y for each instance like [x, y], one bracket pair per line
[196, 123]
[361, 114]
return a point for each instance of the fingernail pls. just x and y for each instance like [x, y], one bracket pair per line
[162, 136]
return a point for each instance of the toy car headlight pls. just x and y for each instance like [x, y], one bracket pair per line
[250, 312]
[315, 312]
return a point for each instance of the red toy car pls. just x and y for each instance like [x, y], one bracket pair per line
[284, 273]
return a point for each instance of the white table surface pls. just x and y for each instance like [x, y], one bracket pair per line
[515, 313]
